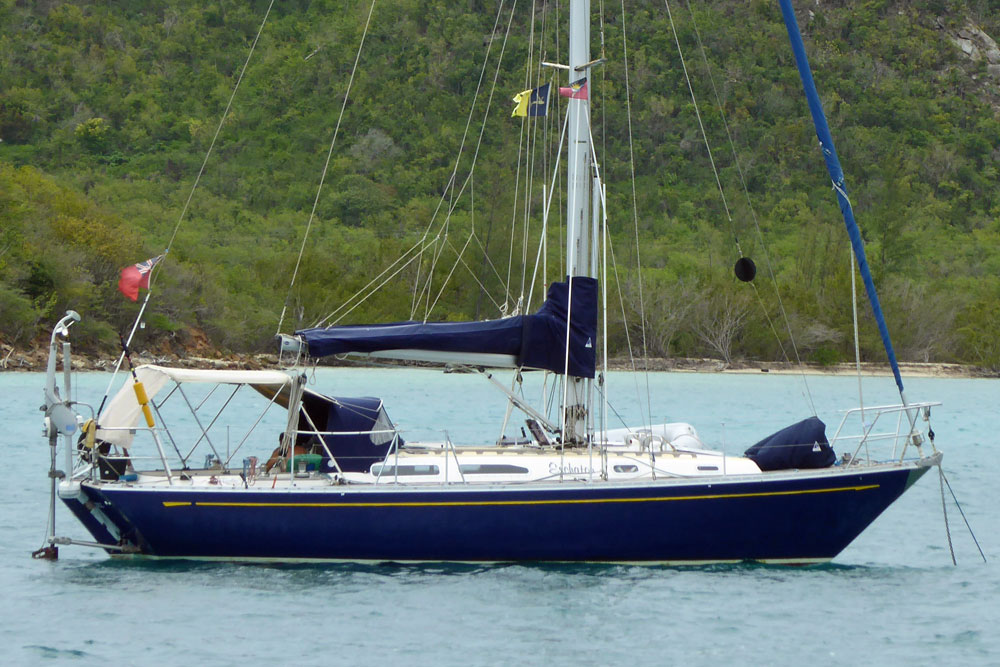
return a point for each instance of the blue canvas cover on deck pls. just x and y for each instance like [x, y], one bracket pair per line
[367, 433]
[802, 445]
[537, 340]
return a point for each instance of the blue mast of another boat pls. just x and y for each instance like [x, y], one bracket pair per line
[837, 175]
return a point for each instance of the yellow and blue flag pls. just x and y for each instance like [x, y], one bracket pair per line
[533, 102]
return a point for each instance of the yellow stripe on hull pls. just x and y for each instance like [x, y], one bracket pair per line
[481, 503]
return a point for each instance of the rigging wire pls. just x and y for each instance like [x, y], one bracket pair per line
[461, 149]
[418, 294]
[528, 139]
[513, 216]
[708, 149]
[603, 392]
[537, 144]
[756, 223]
[960, 511]
[329, 319]
[635, 223]
[602, 198]
[523, 142]
[603, 273]
[563, 184]
[857, 344]
[326, 165]
[488, 261]
[546, 148]
[153, 271]
[453, 267]
[423, 245]
[944, 510]
[473, 273]
[529, 160]
[628, 336]
[701, 126]
[547, 145]
[439, 245]
[581, 117]
[547, 208]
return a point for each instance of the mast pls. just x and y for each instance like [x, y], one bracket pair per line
[578, 225]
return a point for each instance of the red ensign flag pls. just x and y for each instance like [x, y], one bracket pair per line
[136, 276]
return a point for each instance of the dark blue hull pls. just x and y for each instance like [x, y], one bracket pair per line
[794, 517]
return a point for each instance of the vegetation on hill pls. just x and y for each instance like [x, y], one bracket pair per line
[107, 111]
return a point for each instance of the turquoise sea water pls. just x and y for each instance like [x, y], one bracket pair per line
[893, 597]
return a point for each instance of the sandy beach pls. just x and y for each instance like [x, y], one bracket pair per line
[34, 359]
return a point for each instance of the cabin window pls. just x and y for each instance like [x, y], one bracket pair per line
[708, 467]
[401, 471]
[626, 468]
[492, 469]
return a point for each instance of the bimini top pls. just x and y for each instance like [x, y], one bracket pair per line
[123, 411]
[150, 373]
[533, 341]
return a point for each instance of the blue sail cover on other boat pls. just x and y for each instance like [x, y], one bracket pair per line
[537, 341]
[802, 445]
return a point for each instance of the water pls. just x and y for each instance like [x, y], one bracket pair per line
[892, 597]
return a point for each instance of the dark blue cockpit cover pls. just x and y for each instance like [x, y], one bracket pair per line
[802, 445]
[357, 433]
[537, 341]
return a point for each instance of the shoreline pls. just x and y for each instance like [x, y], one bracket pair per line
[868, 369]
[34, 360]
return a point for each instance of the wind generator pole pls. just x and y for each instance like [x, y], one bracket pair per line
[578, 227]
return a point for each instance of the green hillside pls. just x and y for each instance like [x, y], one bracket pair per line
[107, 111]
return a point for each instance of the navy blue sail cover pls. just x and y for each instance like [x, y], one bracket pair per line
[802, 445]
[537, 340]
[544, 342]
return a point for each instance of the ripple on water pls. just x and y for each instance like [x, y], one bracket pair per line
[892, 598]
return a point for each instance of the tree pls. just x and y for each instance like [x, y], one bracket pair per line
[668, 305]
[717, 320]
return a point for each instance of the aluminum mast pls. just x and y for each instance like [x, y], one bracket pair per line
[578, 221]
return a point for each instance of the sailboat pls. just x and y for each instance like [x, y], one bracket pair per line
[345, 484]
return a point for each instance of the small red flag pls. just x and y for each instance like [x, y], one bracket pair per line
[576, 90]
[136, 276]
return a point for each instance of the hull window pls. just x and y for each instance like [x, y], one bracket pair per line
[400, 471]
[493, 469]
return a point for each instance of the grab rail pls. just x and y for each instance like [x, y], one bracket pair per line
[900, 433]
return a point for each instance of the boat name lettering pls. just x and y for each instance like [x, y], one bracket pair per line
[569, 469]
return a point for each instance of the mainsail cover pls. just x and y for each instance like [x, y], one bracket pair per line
[537, 340]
